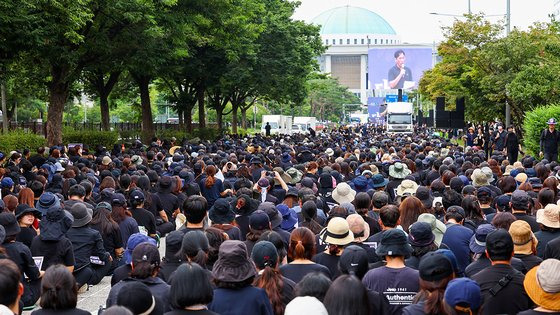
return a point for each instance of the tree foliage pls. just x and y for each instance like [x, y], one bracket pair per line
[488, 69]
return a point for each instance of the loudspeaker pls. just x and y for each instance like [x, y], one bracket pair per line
[440, 103]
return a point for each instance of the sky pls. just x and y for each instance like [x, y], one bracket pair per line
[414, 23]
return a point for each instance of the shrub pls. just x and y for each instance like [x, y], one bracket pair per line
[535, 123]
[19, 140]
[92, 138]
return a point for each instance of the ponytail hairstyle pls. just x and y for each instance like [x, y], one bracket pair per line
[432, 293]
[302, 244]
[265, 257]
[335, 249]
[195, 248]
[215, 238]
[210, 172]
[58, 289]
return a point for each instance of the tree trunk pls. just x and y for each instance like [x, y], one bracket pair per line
[58, 95]
[147, 120]
[104, 107]
[219, 118]
[201, 113]
[234, 108]
[244, 117]
[188, 119]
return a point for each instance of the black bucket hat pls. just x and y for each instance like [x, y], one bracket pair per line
[233, 264]
[23, 209]
[9, 222]
[394, 243]
[221, 212]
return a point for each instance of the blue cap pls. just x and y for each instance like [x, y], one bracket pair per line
[463, 290]
[133, 241]
[7, 182]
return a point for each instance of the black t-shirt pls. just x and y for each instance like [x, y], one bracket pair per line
[168, 267]
[394, 73]
[53, 252]
[488, 210]
[121, 273]
[111, 241]
[145, 220]
[483, 262]
[398, 285]
[167, 202]
[296, 272]
[73, 311]
[26, 235]
[329, 261]
[511, 299]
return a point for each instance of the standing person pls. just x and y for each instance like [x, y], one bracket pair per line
[480, 140]
[397, 282]
[336, 236]
[541, 284]
[267, 129]
[501, 285]
[300, 252]
[512, 145]
[436, 270]
[457, 237]
[549, 141]
[280, 290]
[347, 295]
[499, 138]
[470, 137]
[233, 274]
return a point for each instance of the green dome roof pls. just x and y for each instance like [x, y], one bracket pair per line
[352, 20]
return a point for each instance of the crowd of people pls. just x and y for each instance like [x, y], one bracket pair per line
[339, 222]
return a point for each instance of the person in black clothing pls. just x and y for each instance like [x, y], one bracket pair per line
[549, 141]
[513, 146]
[87, 243]
[122, 272]
[354, 261]
[501, 285]
[520, 205]
[191, 291]
[398, 74]
[21, 255]
[52, 244]
[499, 138]
[145, 219]
[26, 216]
[11, 289]
[267, 129]
[59, 293]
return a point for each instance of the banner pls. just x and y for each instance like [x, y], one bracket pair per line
[398, 68]
[375, 109]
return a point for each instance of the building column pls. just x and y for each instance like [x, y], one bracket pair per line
[363, 70]
[327, 63]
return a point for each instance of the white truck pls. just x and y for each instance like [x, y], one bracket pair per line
[279, 124]
[399, 117]
[301, 124]
[356, 119]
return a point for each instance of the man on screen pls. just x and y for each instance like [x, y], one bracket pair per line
[398, 74]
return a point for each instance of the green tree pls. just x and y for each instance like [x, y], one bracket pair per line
[328, 99]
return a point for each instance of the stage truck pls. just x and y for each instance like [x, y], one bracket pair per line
[399, 117]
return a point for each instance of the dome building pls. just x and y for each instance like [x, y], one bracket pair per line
[349, 32]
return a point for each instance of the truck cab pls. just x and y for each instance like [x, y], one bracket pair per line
[399, 117]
